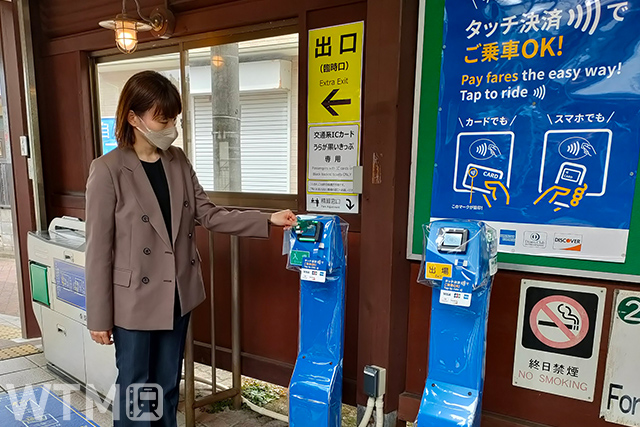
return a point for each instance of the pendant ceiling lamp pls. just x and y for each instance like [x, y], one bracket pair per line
[161, 23]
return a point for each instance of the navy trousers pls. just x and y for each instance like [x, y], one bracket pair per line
[150, 357]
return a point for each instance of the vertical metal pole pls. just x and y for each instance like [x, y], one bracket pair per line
[235, 320]
[214, 378]
[189, 383]
[31, 104]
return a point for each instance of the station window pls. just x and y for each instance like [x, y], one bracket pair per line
[241, 115]
[113, 75]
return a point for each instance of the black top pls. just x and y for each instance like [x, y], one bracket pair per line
[158, 180]
[160, 185]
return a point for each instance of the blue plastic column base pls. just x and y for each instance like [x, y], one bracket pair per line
[457, 346]
[448, 405]
[315, 397]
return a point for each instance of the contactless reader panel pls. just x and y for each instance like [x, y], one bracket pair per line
[308, 231]
[459, 256]
[453, 240]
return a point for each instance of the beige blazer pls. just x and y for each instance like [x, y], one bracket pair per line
[132, 264]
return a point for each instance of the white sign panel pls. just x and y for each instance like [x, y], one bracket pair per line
[332, 203]
[333, 153]
[558, 338]
[621, 393]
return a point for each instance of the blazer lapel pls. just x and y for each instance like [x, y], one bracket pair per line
[143, 192]
[176, 189]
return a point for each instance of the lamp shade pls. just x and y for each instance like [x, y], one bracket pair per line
[126, 31]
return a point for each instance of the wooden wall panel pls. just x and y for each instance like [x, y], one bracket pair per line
[66, 146]
[390, 42]
[189, 21]
[269, 308]
[501, 399]
[67, 17]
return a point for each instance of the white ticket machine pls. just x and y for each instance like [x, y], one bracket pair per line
[58, 288]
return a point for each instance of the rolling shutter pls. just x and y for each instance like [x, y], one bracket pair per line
[265, 139]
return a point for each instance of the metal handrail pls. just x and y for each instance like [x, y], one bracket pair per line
[191, 404]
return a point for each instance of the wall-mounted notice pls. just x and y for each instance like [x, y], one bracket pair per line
[558, 338]
[621, 393]
[538, 124]
[334, 105]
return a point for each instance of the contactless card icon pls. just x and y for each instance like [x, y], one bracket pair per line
[483, 165]
[576, 148]
[484, 149]
[476, 176]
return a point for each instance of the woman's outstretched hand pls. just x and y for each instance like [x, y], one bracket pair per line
[284, 218]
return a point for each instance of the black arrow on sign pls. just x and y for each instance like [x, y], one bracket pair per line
[329, 102]
[349, 203]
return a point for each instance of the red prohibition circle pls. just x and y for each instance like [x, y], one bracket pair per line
[574, 339]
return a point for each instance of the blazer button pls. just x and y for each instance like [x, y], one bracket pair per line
[193, 262]
[190, 235]
[147, 251]
[145, 280]
[145, 218]
[186, 204]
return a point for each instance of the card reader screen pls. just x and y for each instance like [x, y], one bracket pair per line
[308, 231]
[452, 240]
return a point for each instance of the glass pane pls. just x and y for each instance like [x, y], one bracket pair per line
[111, 79]
[243, 100]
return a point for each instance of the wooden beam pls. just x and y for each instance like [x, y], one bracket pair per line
[390, 40]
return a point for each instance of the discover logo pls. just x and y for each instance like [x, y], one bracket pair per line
[568, 242]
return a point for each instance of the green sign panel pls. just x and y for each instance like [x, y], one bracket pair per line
[629, 310]
[297, 257]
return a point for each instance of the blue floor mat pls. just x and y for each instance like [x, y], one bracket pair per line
[42, 408]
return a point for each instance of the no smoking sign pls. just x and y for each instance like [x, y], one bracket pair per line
[560, 321]
[558, 338]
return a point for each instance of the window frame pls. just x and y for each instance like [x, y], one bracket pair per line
[181, 45]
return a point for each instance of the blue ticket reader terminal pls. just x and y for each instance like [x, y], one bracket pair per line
[316, 249]
[459, 262]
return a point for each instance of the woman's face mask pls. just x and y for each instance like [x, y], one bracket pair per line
[161, 139]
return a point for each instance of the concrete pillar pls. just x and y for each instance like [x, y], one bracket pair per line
[225, 102]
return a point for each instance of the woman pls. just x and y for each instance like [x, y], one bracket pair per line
[142, 267]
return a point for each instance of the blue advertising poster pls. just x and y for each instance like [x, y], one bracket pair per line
[538, 125]
[108, 132]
